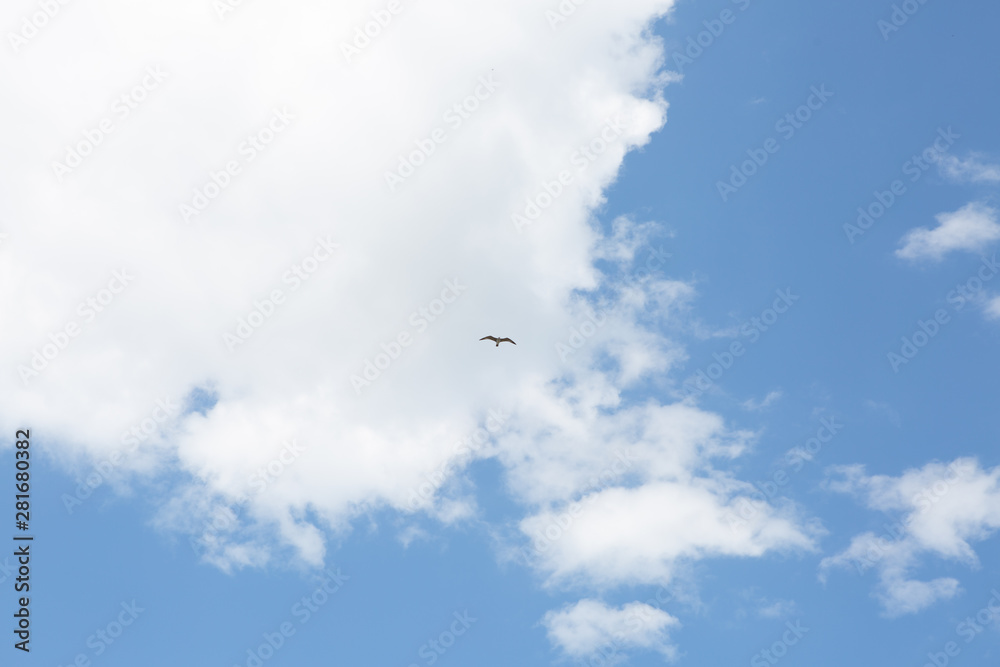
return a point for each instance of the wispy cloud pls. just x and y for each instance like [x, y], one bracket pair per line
[776, 609]
[971, 228]
[754, 405]
[993, 308]
[942, 508]
[973, 169]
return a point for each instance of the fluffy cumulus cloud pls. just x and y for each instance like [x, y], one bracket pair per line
[296, 232]
[970, 228]
[216, 211]
[604, 522]
[591, 628]
[940, 511]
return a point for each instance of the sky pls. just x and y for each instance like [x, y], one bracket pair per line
[746, 251]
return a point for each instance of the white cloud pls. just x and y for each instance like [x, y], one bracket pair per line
[591, 627]
[321, 180]
[776, 609]
[627, 240]
[974, 169]
[763, 606]
[971, 228]
[600, 517]
[321, 176]
[943, 509]
[624, 536]
[993, 308]
[755, 405]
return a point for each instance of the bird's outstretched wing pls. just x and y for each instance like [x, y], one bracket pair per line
[491, 338]
[505, 339]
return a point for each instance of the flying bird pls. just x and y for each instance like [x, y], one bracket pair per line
[498, 340]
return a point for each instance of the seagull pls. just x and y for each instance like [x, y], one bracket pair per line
[498, 340]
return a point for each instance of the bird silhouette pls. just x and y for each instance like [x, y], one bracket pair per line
[498, 340]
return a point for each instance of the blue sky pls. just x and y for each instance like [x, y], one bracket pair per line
[336, 543]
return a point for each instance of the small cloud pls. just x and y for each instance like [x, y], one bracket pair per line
[900, 596]
[776, 609]
[993, 308]
[625, 240]
[589, 626]
[970, 228]
[753, 405]
[758, 100]
[973, 169]
[410, 534]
